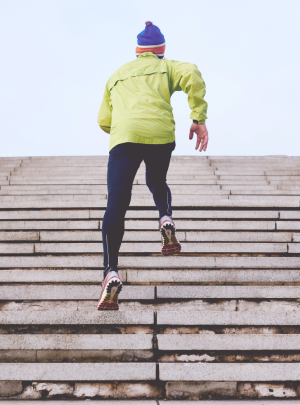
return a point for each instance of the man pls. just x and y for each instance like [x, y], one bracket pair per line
[137, 113]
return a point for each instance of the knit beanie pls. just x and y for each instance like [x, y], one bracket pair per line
[151, 40]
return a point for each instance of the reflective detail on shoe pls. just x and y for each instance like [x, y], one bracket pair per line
[170, 243]
[111, 286]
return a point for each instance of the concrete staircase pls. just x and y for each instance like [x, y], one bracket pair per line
[219, 321]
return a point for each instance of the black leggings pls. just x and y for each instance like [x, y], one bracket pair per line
[124, 161]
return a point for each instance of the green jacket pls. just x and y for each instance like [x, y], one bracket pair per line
[136, 106]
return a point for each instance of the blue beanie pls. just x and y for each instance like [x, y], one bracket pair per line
[151, 40]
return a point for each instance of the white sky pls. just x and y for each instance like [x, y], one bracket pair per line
[56, 56]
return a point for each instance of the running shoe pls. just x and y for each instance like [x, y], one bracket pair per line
[111, 288]
[170, 243]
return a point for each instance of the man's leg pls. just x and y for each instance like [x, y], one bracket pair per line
[157, 160]
[124, 161]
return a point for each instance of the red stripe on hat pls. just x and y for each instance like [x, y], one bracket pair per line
[158, 50]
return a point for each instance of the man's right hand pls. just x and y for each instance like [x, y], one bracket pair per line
[202, 135]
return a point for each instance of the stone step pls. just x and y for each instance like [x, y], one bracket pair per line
[92, 292]
[187, 317]
[191, 236]
[86, 170]
[218, 342]
[91, 224]
[283, 178]
[83, 342]
[241, 172]
[266, 292]
[153, 225]
[150, 276]
[279, 199]
[263, 318]
[29, 181]
[284, 225]
[76, 317]
[95, 261]
[290, 214]
[256, 166]
[5, 172]
[102, 191]
[142, 214]
[87, 188]
[56, 276]
[236, 176]
[102, 181]
[49, 203]
[283, 172]
[83, 391]
[138, 247]
[78, 371]
[294, 248]
[285, 182]
[70, 292]
[81, 176]
[288, 187]
[241, 181]
[241, 187]
[179, 276]
[210, 225]
[229, 372]
[19, 236]
[265, 192]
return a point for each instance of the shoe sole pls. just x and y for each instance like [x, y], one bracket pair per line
[171, 245]
[107, 300]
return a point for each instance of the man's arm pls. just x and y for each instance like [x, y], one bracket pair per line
[186, 77]
[104, 115]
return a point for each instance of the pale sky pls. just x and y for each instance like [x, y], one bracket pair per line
[57, 55]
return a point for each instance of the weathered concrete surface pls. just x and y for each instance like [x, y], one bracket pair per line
[289, 214]
[264, 390]
[10, 388]
[294, 247]
[76, 342]
[20, 248]
[296, 237]
[8, 225]
[54, 276]
[148, 248]
[241, 236]
[90, 202]
[229, 342]
[70, 292]
[191, 236]
[90, 390]
[95, 261]
[217, 276]
[200, 389]
[76, 317]
[78, 371]
[284, 225]
[207, 225]
[228, 292]
[18, 236]
[227, 318]
[229, 372]
[45, 214]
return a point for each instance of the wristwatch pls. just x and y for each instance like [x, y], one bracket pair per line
[195, 121]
